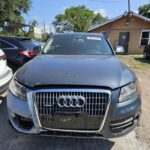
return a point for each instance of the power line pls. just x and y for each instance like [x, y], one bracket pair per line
[115, 1]
[107, 1]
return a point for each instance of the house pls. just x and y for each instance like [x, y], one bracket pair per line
[130, 30]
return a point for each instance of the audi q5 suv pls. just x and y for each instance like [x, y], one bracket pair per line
[75, 87]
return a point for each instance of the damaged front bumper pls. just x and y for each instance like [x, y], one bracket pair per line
[24, 118]
[22, 111]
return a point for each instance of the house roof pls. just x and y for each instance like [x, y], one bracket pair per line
[116, 18]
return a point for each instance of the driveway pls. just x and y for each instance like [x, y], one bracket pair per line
[139, 139]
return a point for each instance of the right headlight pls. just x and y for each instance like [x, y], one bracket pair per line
[129, 91]
[18, 89]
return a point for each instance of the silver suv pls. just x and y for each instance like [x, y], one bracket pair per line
[76, 86]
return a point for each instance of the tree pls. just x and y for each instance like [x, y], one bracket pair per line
[98, 18]
[77, 19]
[30, 31]
[145, 10]
[11, 11]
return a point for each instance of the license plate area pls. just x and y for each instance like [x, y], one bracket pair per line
[68, 121]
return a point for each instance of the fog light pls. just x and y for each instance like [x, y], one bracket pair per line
[25, 123]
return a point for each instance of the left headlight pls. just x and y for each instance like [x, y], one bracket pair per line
[129, 91]
[18, 90]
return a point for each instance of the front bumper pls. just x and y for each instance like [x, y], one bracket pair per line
[121, 118]
[5, 80]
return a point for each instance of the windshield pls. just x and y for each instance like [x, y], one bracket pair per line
[77, 45]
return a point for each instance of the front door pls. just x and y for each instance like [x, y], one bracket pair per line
[124, 40]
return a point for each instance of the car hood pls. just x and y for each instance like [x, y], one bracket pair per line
[105, 71]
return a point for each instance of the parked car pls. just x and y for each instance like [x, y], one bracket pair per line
[147, 52]
[120, 50]
[19, 50]
[41, 44]
[5, 73]
[75, 86]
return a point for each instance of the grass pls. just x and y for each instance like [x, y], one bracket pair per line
[136, 62]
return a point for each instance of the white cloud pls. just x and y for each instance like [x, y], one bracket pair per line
[102, 11]
[136, 11]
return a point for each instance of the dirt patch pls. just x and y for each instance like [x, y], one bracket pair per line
[143, 132]
[139, 139]
[129, 142]
[142, 69]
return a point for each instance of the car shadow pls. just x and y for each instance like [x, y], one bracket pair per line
[142, 60]
[59, 143]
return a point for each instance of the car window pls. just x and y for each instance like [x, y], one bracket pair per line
[31, 45]
[4, 44]
[78, 45]
[28, 44]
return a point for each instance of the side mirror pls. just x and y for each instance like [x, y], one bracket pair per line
[120, 50]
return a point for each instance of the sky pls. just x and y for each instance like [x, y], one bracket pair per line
[46, 10]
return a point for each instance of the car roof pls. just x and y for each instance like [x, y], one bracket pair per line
[80, 33]
[15, 38]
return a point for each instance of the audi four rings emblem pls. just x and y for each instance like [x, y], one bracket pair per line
[71, 101]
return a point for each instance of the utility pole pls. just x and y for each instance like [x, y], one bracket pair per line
[128, 5]
[44, 26]
[50, 28]
[44, 30]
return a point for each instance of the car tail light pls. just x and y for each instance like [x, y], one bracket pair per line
[28, 53]
[3, 57]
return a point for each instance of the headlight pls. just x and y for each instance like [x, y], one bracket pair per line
[128, 92]
[18, 90]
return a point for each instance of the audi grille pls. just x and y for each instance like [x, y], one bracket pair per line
[72, 109]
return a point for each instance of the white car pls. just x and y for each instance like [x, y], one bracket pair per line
[5, 73]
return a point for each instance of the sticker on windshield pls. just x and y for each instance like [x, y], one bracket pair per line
[94, 38]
